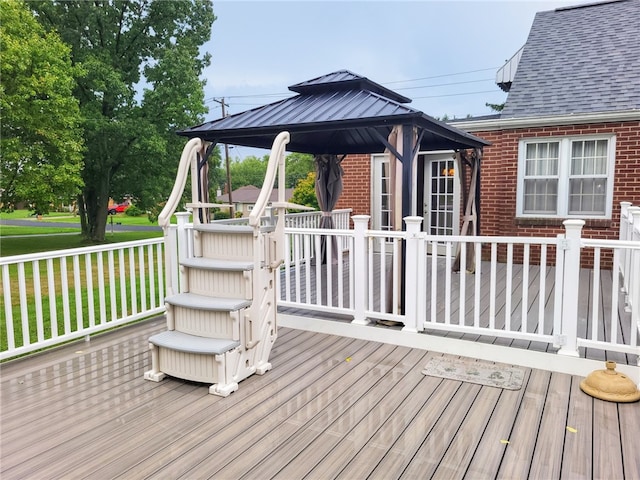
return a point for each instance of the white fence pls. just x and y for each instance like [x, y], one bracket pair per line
[521, 289]
[526, 289]
[629, 266]
[53, 297]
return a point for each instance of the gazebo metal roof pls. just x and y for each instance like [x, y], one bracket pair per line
[337, 113]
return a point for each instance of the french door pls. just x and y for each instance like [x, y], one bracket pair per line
[441, 205]
[441, 197]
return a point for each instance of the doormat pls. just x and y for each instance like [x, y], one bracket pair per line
[483, 373]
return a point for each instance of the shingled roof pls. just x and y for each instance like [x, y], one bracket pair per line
[582, 59]
[339, 113]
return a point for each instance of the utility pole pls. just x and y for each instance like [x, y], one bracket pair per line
[226, 156]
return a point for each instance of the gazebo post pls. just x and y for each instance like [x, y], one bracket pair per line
[407, 170]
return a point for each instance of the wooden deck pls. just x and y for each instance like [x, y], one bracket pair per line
[331, 407]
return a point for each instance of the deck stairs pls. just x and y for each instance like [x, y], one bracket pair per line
[221, 324]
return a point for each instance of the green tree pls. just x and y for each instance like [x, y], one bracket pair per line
[298, 166]
[305, 192]
[142, 83]
[495, 107]
[40, 139]
[249, 171]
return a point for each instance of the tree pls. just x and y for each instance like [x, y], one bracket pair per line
[249, 171]
[142, 84]
[305, 192]
[298, 166]
[495, 107]
[40, 139]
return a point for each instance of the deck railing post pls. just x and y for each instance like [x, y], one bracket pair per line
[411, 272]
[624, 235]
[182, 218]
[632, 297]
[570, 287]
[360, 224]
[171, 259]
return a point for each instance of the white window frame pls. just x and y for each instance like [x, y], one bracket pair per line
[564, 174]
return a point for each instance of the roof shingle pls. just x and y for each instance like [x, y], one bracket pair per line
[583, 59]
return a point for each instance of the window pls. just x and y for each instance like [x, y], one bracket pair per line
[566, 177]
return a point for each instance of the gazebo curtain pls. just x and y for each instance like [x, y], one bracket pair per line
[328, 190]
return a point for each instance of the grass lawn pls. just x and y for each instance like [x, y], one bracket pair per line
[67, 217]
[19, 240]
[21, 245]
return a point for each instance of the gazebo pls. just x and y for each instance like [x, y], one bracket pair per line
[344, 113]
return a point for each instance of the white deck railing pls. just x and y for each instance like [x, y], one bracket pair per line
[53, 297]
[527, 289]
[629, 266]
[524, 289]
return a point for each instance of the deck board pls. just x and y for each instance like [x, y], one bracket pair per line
[490, 449]
[461, 450]
[547, 457]
[371, 416]
[629, 421]
[516, 461]
[331, 407]
[579, 443]
[606, 437]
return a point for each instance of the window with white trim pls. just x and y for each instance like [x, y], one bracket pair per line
[566, 177]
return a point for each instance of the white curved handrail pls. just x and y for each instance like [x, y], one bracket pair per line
[276, 164]
[188, 152]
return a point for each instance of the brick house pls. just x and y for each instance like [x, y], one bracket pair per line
[244, 198]
[566, 144]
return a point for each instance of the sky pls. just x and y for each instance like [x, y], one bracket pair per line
[444, 55]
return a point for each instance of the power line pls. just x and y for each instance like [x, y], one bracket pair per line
[288, 94]
[455, 94]
[442, 75]
[445, 84]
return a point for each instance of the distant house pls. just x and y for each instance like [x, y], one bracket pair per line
[566, 145]
[244, 198]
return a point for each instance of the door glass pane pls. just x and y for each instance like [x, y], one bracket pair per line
[385, 197]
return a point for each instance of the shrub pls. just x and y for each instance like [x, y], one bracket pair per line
[221, 215]
[133, 211]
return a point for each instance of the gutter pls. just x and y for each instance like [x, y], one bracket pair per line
[526, 122]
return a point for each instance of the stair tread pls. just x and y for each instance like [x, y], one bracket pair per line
[202, 302]
[183, 342]
[217, 264]
[223, 228]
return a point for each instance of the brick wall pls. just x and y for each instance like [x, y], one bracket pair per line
[500, 170]
[499, 182]
[356, 191]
